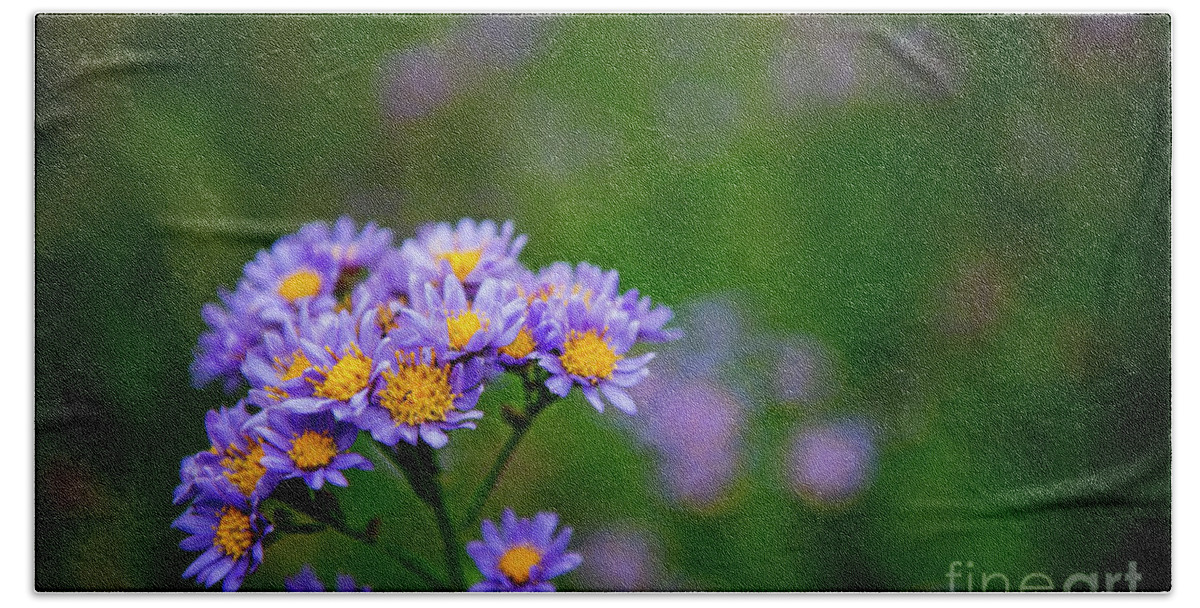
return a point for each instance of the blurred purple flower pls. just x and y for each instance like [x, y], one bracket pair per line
[306, 581]
[1101, 34]
[621, 560]
[501, 41]
[829, 59]
[818, 70]
[416, 82]
[832, 463]
[694, 426]
[800, 372]
[713, 336]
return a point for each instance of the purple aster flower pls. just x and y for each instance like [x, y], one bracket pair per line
[832, 463]
[351, 249]
[234, 328]
[591, 284]
[391, 281]
[458, 326]
[523, 554]
[419, 397]
[592, 354]
[471, 252]
[312, 446]
[278, 369]
[298, 268]
[650, 319]
[541, 327]
[342, 355]
[192, 475]
[228, 528]
[293, 269]
[236, 452]
[306, 581]
[562, 282]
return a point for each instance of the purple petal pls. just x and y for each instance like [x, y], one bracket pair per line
[562, 565]
[619, 398]
[559, 385]
[233, 580]
[434, 436]
[625, 365]
[593, 397]
[336, 478]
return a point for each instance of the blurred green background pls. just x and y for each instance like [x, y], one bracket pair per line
[968, 216]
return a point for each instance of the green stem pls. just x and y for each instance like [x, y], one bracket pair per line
[493, 476]
[422, 471]
[413, 563]
[450, 538]
[537, 397]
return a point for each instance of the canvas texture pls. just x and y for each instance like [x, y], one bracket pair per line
[367, 302]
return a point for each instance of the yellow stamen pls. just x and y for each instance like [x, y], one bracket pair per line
[347, 377]
[295, 369]
[234, 535]
[299, 284]
[544, 294]
[313, 450]
[340, 253]
[517, 562]
[462, 327]
[587, 294]
[588, 355]
[417, 392]
[521, 346]
[385, 319]
[344, 303]
[244, 468]
[462, 262]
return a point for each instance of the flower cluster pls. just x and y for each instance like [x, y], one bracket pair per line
[335, 331]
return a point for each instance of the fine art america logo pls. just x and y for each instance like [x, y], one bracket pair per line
[968, 578]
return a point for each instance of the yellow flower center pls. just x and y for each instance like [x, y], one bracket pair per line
[521, 346]
[287, 371]
[347, 377]
[462, 326]
[462, 262]
[517, 562]
[295, 369]
[299, 284]
[417, 392]
[588, 355]
[244, 468]
[313, 450]
[233, 536]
